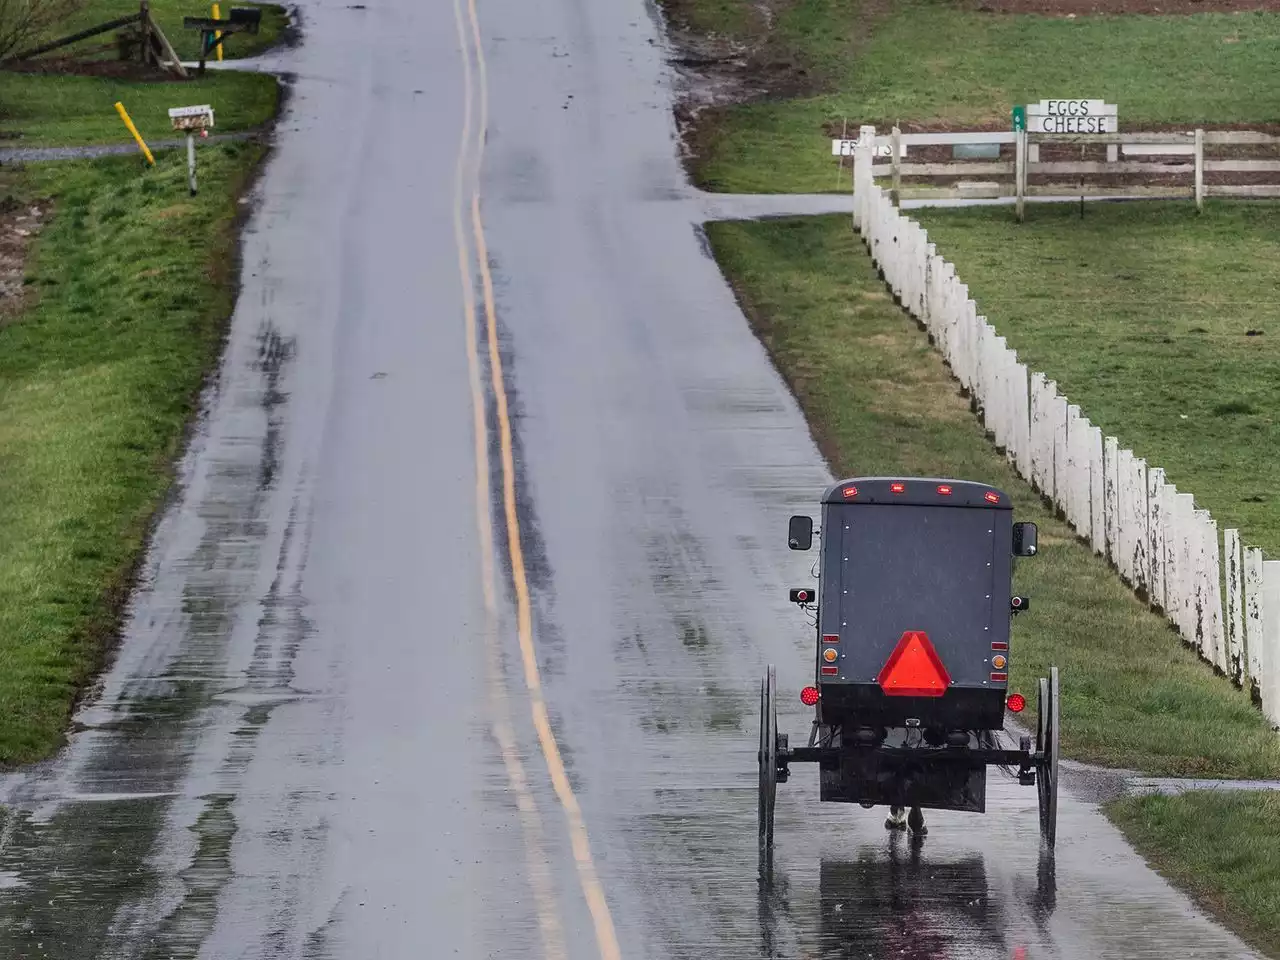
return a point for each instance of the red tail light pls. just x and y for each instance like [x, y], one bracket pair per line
[1016, 702]
[809, 696]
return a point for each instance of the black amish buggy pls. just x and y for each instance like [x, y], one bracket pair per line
[911, 669]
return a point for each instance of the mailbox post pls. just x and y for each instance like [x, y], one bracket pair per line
[191, 119]
[214, 31]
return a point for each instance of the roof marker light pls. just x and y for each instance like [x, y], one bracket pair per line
[897, 488]
[850, 492]
[944, 489]
[992, 497]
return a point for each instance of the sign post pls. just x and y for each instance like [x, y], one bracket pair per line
[192, 119]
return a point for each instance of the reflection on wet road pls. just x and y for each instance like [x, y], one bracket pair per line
[319, 741]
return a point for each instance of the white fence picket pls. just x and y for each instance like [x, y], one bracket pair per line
[1058, 415]
[1253, 569]
[1234, 609]
[1126, 528]
[1184, 526]
[1213, 594]
[1155, 536]
[1022, 420]
[1270, 670]
[1097, 493]
[1174, 571]
[1041, 438]
[1139, 564]
[1111, 496]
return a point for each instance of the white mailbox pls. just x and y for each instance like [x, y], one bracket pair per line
[191, 118]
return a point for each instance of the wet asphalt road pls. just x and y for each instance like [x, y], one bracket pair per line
[314, 745]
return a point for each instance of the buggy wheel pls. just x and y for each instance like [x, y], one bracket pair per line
[768, 758]
[1047, 727]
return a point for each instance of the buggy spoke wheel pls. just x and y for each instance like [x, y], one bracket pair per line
[1047, 746]
[768, 768]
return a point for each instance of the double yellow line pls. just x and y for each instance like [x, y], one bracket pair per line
[472, 142]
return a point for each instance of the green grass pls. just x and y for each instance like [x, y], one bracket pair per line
[97, 382]
[929, 62]
[1141, 312]
[881, 402]
[45, 110]
[169, 14]
[1222, 847]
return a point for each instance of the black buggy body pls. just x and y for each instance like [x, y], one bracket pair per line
[911, 668]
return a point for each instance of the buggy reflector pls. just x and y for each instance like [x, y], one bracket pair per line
[914, 668]
[830, 638]
[830, 671]
[999, 677]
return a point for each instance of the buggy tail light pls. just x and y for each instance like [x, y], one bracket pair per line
[944, 489]
[897, 488]
[809, 696]
[1016, 703]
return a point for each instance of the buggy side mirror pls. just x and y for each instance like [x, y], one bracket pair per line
[800, 533]
[1024, 539]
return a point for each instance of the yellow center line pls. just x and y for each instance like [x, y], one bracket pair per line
[536, 860]
[592, 890]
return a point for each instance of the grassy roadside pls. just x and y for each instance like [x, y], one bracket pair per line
[880, 401]
[39, 110]
[98, 379]
[1159, 323]
[169, 14]
[1222, 848]
[941, 65]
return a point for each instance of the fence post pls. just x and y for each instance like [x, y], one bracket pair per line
[1253, 566]
[863, 157]
[1020, 171]
[1199, 170]
[896, 161]
[1270, 678]
[1238, 668]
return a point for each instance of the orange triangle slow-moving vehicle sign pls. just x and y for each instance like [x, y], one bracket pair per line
[914, 669]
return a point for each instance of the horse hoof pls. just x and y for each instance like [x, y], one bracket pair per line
[915, 822]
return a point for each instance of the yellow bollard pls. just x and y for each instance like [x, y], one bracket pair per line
[124, 115]
[217, 15]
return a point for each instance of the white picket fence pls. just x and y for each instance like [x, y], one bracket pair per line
[1223, 597]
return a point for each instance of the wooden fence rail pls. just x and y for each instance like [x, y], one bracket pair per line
[1221, 595]
[1172, 155]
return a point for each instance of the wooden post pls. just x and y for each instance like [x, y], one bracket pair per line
[144, 31]
[1199, 170]
[844, 135]
[896, 161]
[1020, 172]
[217, 15]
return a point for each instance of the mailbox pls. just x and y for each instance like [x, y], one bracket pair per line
[251, 17]
[191, 118]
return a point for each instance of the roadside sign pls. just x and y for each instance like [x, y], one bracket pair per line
[1071, 116]
[847, 148]
[1019, 117]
